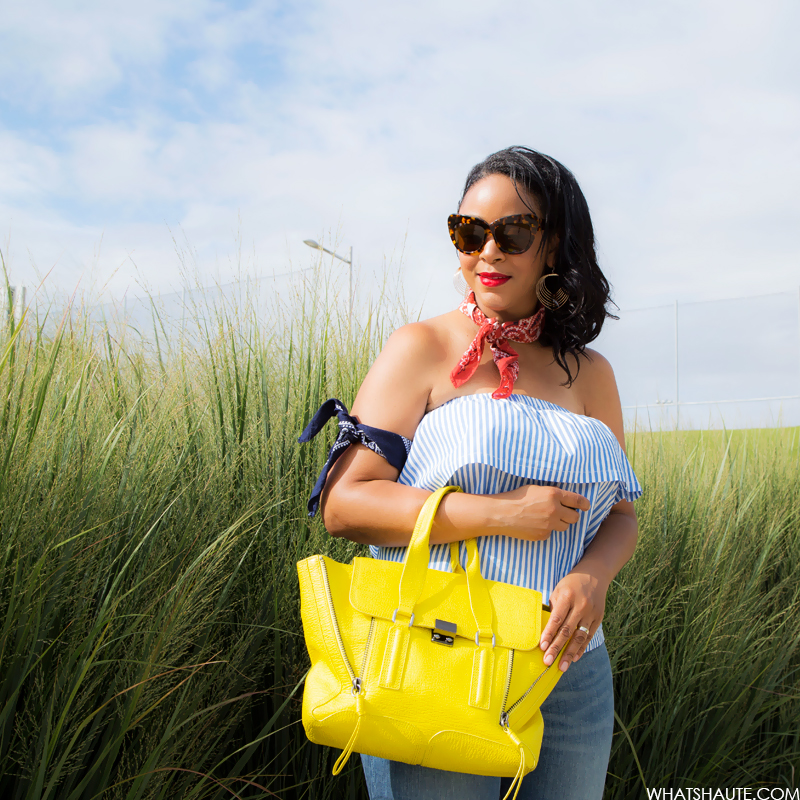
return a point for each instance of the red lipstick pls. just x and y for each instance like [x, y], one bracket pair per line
[493, 278]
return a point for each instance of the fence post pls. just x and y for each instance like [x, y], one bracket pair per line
[677, 375]
[17, 302]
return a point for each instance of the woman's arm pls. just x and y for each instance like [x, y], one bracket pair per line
[579, 598]
[362, 499]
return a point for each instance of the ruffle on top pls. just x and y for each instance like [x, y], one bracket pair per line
[519, 435]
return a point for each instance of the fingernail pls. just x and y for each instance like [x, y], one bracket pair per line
[548, 660]
[564, 666]
[544, 645]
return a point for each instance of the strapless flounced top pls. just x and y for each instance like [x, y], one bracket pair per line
[488, 446]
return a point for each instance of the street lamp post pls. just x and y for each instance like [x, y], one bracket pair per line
[348, 261]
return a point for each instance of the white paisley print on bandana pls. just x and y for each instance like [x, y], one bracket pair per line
[498, 335]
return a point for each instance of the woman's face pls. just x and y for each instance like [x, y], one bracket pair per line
[489, 199]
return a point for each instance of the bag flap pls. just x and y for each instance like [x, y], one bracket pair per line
[517, 622]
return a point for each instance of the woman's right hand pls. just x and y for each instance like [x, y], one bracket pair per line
[533, 512]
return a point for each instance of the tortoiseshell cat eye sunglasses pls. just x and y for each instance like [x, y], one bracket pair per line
[513, 235]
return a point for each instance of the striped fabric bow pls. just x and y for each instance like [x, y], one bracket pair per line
[498, 335]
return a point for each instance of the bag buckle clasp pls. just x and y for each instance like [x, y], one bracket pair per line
[444, 632]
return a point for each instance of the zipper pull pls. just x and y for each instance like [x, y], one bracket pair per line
[504, 719]
[357, 686]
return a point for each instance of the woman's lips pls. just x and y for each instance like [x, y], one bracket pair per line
[493, 278]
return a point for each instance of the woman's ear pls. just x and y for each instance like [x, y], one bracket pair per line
[552, 252]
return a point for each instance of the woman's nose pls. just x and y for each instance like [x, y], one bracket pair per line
[491, 253]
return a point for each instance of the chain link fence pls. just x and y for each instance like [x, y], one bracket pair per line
[727, 363]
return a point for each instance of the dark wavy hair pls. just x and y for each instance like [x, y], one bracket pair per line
[566, 215]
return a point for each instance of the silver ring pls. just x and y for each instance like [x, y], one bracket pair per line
[584, 629]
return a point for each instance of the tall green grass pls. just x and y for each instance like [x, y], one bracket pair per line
[152, 509]
[704, 622]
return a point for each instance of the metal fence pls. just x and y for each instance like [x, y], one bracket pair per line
[174, 315]
[13, 301]
[727, 363]
[162, 319]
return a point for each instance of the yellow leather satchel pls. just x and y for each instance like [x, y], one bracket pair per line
[423, 666]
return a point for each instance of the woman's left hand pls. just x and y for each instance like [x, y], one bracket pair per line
[577, 601]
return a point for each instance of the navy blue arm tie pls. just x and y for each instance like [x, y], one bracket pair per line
[391, 446]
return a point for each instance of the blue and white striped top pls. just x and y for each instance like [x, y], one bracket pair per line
[487, 446]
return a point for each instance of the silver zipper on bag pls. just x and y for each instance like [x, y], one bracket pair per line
[355, 681]
[365, 660]
[504, 714]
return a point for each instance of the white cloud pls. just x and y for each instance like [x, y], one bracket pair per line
[54, 52]
[679, 120]
[27, 169]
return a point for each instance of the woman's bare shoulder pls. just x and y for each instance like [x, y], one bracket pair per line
[598, 390]
[395, 393]
[428, 338]
[421, 346]
[595, 364]
[413, 340]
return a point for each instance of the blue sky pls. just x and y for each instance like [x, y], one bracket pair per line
[123, 125]
[119, 122]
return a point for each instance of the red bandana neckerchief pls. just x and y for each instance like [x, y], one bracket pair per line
[498, 335]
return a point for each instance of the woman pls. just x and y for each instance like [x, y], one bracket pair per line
[531, 428]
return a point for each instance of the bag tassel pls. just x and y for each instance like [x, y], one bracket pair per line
[348, 749]
[521, 772]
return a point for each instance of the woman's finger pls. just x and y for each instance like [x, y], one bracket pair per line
[574, 500]
[563, 635]
[589, 637]
[560, 627]
[554, 622]
[569, 515]
[581, 637]
[563, 518]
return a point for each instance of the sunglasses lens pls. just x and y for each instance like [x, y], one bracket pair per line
[469, 236]
[513, 238]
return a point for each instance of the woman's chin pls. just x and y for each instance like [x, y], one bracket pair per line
[502, 303]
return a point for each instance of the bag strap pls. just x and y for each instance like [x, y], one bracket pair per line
[479, 599]
[455, 558]
[415, 565]
[415, 568]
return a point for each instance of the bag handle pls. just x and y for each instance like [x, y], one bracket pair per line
[415, 569]
[481, 610]
[455, 558]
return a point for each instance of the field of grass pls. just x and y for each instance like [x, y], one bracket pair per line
[703, 622]
[152, 509]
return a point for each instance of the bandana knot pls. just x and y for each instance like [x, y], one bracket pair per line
[498, 335]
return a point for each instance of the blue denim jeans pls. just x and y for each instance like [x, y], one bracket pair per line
[578, 726]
